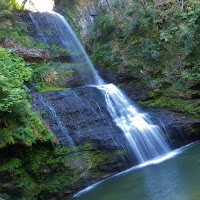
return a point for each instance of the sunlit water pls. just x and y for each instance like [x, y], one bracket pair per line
[176, 177]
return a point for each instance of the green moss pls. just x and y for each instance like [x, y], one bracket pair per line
[42, 170]
[38, 171]
[188, 107]
[10, 164]
[50, 88]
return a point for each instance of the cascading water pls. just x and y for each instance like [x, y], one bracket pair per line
[68, 40]
[63, 135]
[145, 139]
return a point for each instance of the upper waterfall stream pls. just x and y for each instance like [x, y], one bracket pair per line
[145, 139]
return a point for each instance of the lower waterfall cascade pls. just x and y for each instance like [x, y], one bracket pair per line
[145, 139]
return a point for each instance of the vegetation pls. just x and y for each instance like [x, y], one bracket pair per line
[12, 74]
[152, 42]
[37, 172]
[18, 32]
[17, 122]
[58, 51]
[43, 75]
[8, 5]
[188, 107]
[43, 170]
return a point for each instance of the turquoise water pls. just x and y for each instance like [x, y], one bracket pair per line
[175, 178]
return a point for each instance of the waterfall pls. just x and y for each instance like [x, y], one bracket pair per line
[67, 39]
[146, 140]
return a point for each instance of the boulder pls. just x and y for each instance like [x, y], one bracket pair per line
[30, 55]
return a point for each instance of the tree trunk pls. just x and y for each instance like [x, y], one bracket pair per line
[24, 2]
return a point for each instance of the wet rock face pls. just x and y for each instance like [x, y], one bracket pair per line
[45, 33]
[82, 111]
[179, 128]
[132, 85]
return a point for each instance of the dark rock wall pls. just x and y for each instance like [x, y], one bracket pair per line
[82, 111]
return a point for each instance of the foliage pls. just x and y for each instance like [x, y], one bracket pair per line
[9, 5]
[36, 172]
[192, 73]
[133, 40]
[58, 51]
[12, 74]
[6, 7]
[18, 33]
[150, 41]
[17, 122]
[24, 128]
[104, 26]
[41, 70]
[43, 170]
[140, 37]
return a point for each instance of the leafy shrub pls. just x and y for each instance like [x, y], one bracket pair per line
[12, 74]
[17, 122]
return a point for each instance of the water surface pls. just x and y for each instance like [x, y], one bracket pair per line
[176, 178]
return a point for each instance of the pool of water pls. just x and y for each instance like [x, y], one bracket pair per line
[173, 177]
